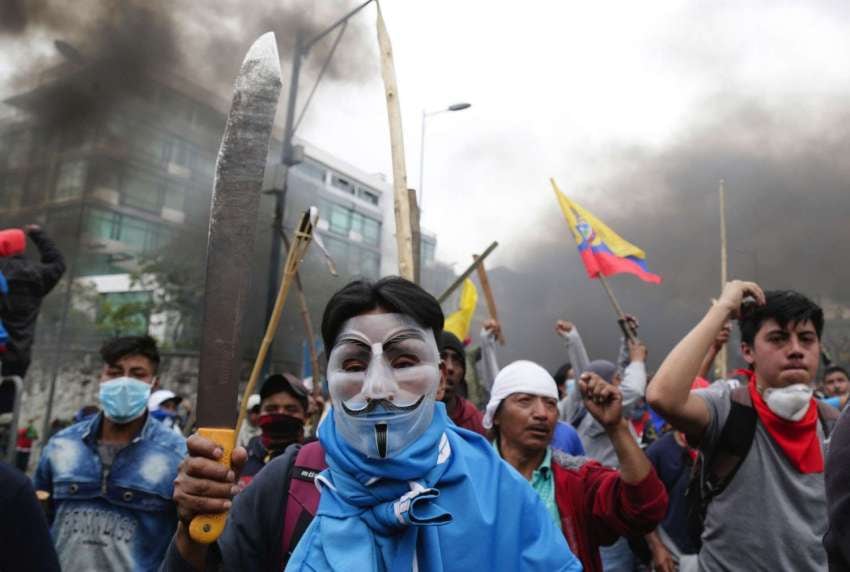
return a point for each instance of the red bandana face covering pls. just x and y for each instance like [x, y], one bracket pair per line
[797, 439]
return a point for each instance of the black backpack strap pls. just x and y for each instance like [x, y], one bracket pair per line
[711, 476]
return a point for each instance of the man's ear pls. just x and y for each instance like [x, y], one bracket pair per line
[747, 353]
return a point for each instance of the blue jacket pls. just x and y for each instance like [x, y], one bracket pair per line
[122, 519]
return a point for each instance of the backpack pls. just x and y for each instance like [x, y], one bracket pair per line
[711, 476]
[302, 500]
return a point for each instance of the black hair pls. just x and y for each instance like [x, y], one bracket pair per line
[392, 293]
[784, 306]
[116, 348]
[835, 368]
[285, 383]
[560, 375]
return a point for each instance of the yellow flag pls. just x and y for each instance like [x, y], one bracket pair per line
[459, 322]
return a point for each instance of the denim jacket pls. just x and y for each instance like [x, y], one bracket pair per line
[122, 519]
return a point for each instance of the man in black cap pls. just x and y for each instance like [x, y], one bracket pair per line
[283, 411]
[461, 411]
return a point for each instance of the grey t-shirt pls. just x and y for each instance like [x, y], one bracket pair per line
[770, 517]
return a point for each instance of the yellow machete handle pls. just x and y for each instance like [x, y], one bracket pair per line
[206, 528]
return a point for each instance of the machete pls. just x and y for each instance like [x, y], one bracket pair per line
[238, 181]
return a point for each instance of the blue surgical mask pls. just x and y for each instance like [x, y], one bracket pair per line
[124, 399]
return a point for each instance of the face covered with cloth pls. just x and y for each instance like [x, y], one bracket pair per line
[405, 488]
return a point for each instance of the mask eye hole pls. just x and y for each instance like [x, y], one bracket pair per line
[354, 365]
[405, 361]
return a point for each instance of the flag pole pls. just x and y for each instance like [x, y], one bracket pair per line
[721, 363]
[621, 316]
[484, 280]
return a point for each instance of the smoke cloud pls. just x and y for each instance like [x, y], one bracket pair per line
[121, 44]
[787, 199]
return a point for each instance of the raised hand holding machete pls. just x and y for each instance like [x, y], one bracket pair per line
[233, 218]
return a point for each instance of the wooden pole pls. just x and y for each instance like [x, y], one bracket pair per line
[416, 236]
[308, 324]
[621, 316]
[303, 237]
[467, 273]
[721, 362]
[403, 232]
[488, 295]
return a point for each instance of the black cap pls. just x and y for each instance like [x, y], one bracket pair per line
[287, 382]
[451, 341]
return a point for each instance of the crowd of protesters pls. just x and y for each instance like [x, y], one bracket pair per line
[430, 455]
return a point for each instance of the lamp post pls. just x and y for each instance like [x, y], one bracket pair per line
[290, 155]
[426, 115]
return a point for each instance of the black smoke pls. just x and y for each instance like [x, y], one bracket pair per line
[787, 173]
[115, 47]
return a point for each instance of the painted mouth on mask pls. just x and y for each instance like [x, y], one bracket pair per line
[385, 405]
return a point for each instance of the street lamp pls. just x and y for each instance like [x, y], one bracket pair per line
[425, 115]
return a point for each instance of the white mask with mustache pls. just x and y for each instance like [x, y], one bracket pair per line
[383, 373]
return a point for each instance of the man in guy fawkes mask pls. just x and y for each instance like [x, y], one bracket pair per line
[404, 488]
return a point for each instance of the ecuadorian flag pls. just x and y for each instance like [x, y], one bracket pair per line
[602, 250]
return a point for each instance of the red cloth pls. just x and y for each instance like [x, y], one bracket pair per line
[24, 441]
[797, 439]
[597, 507]
[12, 241]
[467, 416]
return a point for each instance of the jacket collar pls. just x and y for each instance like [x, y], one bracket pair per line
[93, 426]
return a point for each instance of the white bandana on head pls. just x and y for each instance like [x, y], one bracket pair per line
[519, 377]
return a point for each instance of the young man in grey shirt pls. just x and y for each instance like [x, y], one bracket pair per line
[772, 514]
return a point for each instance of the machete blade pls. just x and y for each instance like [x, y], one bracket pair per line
[233, 218]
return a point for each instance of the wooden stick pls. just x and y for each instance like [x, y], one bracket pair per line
[488, 295]
[621, 316]
[467, 273]
[303, 237]
[416, 236]
[721, 362]
[305, 317]
[403, 233]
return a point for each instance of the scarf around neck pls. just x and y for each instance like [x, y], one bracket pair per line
[797, 439]
[386, 509]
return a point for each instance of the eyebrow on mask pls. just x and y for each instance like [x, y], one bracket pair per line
[403, 336]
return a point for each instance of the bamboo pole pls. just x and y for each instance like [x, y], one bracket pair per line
[303, 237]
[488, 295]
[416, 236]
[467, 273]
[308, 324]
[403, 233]
[721, 362]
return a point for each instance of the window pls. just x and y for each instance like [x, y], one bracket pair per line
[71, 179]
[371, 231]
[427, 250]
[134, 233]
[370, 263]
[174, 197]
[339, 219]
[368, 196]
[124, 313]
[342, 184]
[141, 191]
[101, 224]
[311, 170]
[338, 249]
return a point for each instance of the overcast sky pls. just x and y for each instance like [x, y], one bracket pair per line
[557, 87]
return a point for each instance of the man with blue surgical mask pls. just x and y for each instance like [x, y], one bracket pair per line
[110, 476]
[404, 488]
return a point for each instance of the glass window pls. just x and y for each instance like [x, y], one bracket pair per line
[174, 197]
[71, 179]
[338, 249]
[339, 220]
[427, 251]
[367, 195]
[342, 184]
[101, 224]
[371, 231]
[134, 233]
[311, 169]
[141, 191]
[124, 313]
